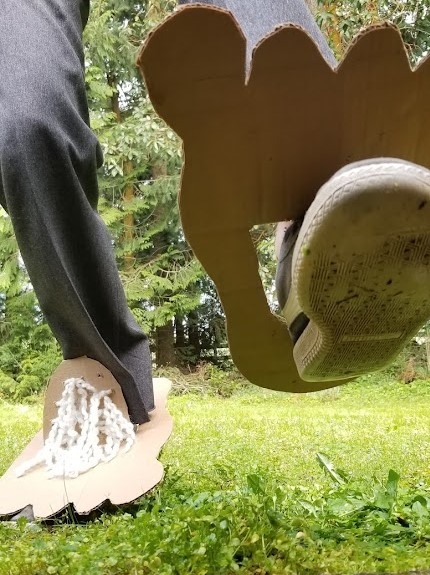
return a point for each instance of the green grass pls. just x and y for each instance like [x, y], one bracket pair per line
[245, 492]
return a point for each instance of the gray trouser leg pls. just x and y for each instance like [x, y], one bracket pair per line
[48, 185]
[257, 18]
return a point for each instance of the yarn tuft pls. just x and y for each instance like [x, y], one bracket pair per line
[89, 429]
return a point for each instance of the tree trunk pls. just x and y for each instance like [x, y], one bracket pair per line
[193, 335]
[165, 350]
[332, 30]
[128, 196]
[128, 193]
[165, 335]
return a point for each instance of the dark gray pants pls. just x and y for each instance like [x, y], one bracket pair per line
[48, 185]
[259, 17]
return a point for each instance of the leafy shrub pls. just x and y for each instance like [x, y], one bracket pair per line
[7, 386]
[27, 386]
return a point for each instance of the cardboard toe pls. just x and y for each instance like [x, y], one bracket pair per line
[122, 480]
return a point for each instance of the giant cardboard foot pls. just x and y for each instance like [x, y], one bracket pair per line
[260, 141]
[122, 480]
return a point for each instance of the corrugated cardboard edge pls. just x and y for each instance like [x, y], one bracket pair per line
[257, 149]
[122, 480]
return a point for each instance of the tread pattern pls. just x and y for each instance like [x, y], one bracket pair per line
[366, 297]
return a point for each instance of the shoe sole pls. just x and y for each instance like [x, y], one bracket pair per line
[361, 269]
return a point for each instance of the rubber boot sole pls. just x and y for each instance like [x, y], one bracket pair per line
[361, 269]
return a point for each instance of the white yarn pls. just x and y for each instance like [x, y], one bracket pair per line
[89, 429]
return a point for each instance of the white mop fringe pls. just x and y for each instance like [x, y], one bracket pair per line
[89, 429]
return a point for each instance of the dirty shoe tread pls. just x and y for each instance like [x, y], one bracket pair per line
[361, 269]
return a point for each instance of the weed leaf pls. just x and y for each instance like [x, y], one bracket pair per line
[256, 483]
[336, 474]
[392, 484]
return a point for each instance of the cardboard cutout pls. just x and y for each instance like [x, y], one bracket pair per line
[121, 480]
[259, 145]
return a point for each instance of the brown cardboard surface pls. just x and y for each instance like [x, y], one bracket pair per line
[124, 479]
[258, 148]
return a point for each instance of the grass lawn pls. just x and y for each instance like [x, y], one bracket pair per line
[245, 492]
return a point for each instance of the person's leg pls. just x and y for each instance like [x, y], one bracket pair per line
[48, 162]
[257, 18]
